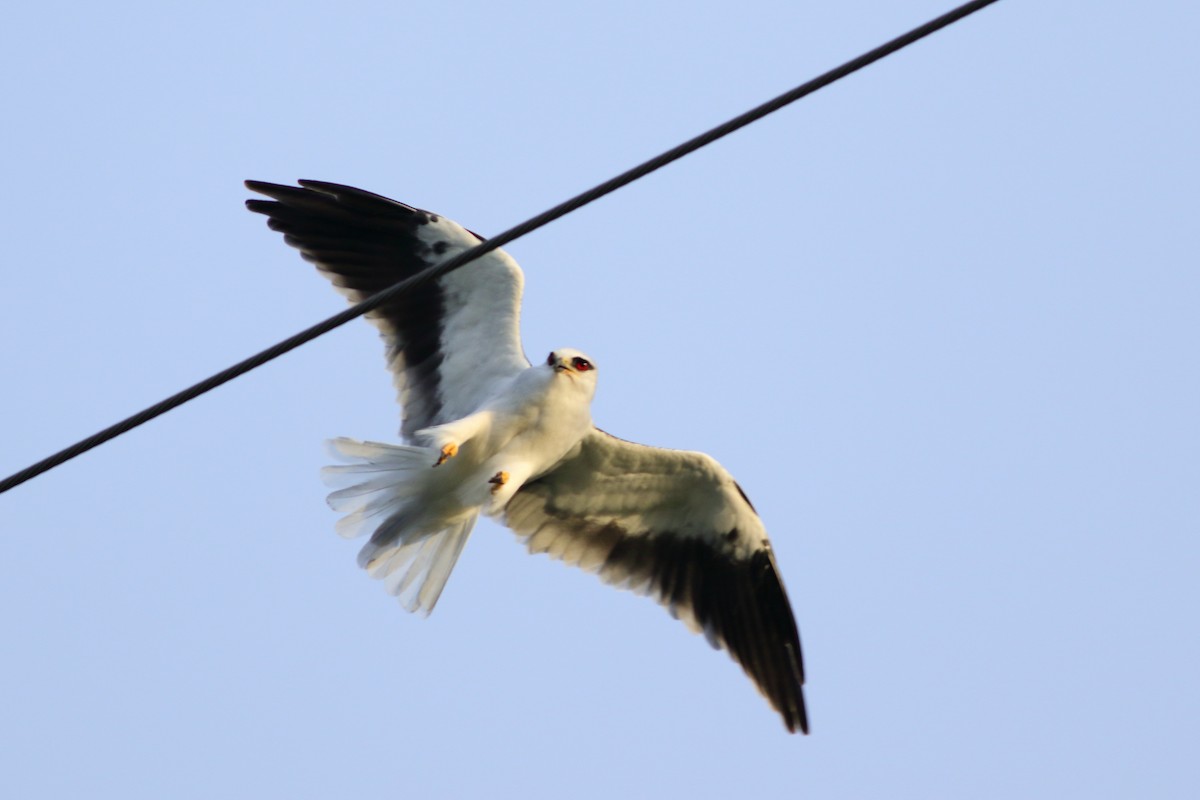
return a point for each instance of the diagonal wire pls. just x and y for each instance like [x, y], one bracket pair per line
[596, 192]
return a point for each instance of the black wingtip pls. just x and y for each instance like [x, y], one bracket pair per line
[264, 187]
[337, 188]
[326, 196]
[276, 191]
[797, 721]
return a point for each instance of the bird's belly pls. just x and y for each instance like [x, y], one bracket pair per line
[520, 435]
[544, 443]
[529, 449]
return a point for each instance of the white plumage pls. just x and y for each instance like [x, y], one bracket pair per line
[423, 506]
[486, 432]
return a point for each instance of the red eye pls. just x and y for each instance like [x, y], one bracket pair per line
[581, 364]
[550, 360]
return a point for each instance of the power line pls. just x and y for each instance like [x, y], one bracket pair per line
[532, 224]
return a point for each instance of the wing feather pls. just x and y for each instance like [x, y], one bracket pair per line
[449, 342]
[674, 525]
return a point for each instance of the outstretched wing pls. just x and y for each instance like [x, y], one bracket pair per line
[674, 525]
[448, 342]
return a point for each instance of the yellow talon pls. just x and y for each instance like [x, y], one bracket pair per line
[498, 480]
[449, 451]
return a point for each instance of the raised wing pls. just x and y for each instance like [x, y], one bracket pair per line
[449, 342]
[674, 525]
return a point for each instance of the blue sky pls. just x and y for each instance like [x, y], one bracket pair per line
[939, 320]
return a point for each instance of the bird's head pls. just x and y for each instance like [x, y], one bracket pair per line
[569, 362]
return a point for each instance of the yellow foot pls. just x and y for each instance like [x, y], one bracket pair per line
[498, 480]
[449, 451]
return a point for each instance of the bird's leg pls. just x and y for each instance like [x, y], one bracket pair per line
[498, 480]
[449, 451]
[450, 437]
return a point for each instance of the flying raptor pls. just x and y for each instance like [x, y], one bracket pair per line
[486, 432]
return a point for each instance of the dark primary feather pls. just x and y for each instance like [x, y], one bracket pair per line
[364, 243]
[739, 602]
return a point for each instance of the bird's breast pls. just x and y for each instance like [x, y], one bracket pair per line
[545, 416]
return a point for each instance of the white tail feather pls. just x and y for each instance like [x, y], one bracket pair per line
[416, 572]
[382, 491]
[395, 477]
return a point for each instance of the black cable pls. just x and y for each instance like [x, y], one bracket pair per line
[611, 185]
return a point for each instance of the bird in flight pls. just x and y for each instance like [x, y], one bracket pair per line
[487, 432]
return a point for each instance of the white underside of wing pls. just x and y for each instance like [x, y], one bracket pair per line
[673, 525]
[619, 490]
[481, 333]
[649, 490]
